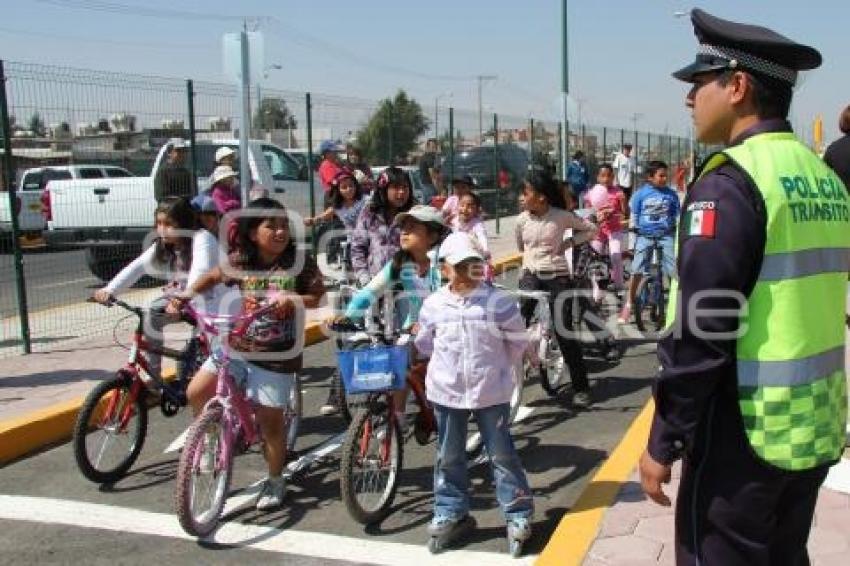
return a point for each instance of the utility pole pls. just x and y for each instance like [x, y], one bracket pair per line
[244, 165]
[565, 89]
[481, 79]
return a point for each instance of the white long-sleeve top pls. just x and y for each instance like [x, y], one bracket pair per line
[205, 256]
[474, 342]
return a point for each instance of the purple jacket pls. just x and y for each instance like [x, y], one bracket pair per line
[474, 343]
[373, 244]
[226, 198]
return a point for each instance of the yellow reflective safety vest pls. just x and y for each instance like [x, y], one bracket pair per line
[792, 388]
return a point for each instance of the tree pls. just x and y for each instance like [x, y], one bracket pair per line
[274, 114]
[399, 121]
[36, 125]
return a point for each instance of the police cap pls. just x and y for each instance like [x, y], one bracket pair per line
[730, 45]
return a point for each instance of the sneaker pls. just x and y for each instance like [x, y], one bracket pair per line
[625, 315]
[581, 399]
[331, 406]
[271, 496]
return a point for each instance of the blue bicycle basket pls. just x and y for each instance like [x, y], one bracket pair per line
[377, 368]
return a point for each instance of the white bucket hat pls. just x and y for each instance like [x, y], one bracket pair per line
[222, 172]
[223, 152]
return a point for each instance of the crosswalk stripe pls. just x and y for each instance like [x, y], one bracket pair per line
[255, 537]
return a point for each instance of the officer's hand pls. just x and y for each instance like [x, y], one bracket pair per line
[652, 475]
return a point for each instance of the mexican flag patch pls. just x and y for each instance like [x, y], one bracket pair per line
[701, 219]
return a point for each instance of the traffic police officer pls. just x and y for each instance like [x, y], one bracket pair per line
[751, 391]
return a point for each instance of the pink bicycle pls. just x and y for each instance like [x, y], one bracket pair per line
[224, 428]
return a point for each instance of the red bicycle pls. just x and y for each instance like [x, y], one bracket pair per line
[112, 423]
[373, 451]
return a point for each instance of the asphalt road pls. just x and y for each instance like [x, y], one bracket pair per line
[53, 278]
[560, 448]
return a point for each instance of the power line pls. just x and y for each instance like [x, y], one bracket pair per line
[308, 40]
[135, 10]
[146, 45]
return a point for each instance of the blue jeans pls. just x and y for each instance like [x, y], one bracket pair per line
[641, 261]
[451, 478]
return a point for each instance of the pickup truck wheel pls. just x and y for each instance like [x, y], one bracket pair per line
[106, 261]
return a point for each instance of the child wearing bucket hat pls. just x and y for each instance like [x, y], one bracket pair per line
[414, 270]
[474, 334]
[224, 189]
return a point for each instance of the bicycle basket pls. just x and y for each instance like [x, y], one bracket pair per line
[378, 368]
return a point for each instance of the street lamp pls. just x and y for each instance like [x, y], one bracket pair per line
[481, 79]
[437, 98]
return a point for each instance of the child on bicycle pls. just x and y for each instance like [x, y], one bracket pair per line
[468, 221]
[346, 200]
[540, 238]
[655, 210]
[414, 270]
[474, 335]
[169, 257]
[267, 268]
[609, 204]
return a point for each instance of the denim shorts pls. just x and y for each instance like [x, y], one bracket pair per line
[264, 387]
[641, 261]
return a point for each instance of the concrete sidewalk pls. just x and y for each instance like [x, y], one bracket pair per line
[637, 532]
[32, 382]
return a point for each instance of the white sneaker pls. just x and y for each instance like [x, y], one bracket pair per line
[271, 496]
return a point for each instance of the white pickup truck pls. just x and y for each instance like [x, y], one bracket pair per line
[111, 217]
[27, 207]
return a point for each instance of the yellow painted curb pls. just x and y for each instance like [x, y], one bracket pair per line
[578, 527]
[26, 434]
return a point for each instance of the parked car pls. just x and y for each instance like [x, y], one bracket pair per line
[421, 192]
[479, 163]
[111, 217]
[27, 207]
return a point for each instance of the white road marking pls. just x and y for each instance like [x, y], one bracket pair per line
[838, 478]
[327, 447]
[69, 282]
[255, 537]
[177, 443]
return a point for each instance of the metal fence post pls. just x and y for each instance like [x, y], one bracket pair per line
[9, 174]
[648, 146]
[311, 181]
[496, 171]
[451, 150]
[559, 168]
[604, 144]
[390, 140]
[531, 142]
[190, 101]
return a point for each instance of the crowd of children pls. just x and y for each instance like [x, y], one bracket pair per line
[436, 265]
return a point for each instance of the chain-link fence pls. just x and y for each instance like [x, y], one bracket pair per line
[91, 150]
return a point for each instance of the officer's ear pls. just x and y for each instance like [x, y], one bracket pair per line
[741, 90]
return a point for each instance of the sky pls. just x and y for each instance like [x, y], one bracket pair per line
[621, 52]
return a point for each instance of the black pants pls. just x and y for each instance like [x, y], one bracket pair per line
[735, 510]
[563, 321]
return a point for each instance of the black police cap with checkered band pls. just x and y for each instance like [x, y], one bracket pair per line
[731, 45]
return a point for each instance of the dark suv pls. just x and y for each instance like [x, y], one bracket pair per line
[478, 163]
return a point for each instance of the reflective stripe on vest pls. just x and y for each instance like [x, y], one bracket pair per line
[788, 373]
[804, 263]
[792, 387]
